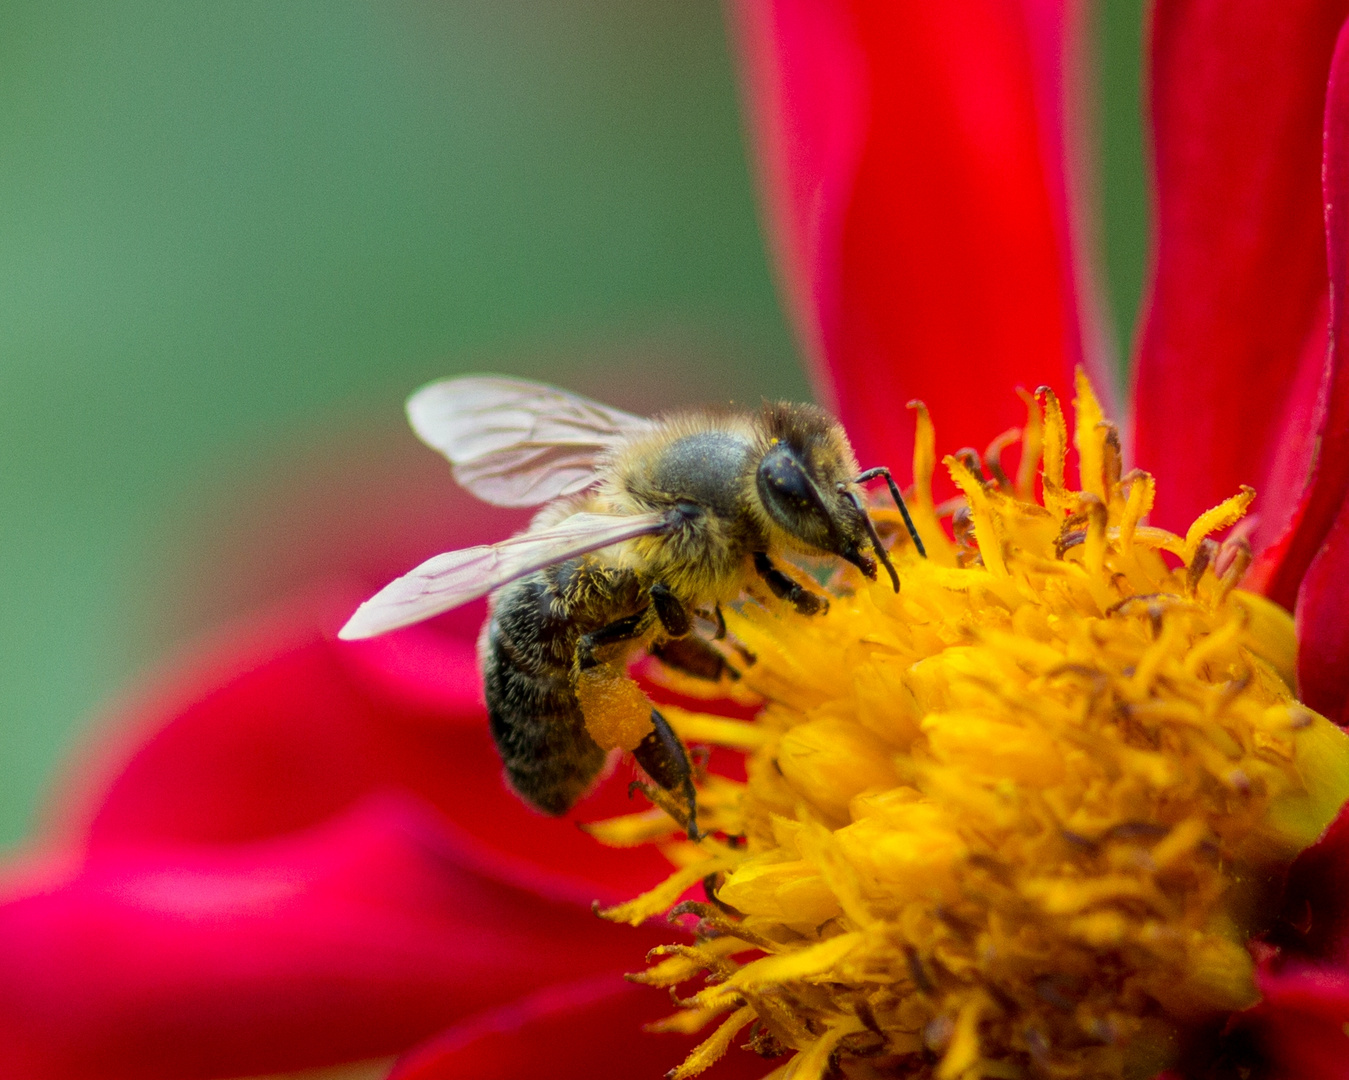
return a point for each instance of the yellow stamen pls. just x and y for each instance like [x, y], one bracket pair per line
[1055, 449]
[1142, 494]
[1090, 450]
[700, 728]
[924, 460]
[1014, 821]
[1226, 513]
[707, 1053]
[1032, 447]
[985, 530]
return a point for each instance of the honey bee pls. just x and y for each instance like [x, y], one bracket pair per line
[647, 524]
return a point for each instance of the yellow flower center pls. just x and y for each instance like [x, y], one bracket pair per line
[1019, 819]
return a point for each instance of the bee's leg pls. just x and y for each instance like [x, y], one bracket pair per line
[881, 470]
[674, 617]
[666, 761]
[721, 623]
[693, 656]
[784, 588]
[624, 629]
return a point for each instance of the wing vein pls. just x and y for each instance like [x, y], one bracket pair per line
[518, 443]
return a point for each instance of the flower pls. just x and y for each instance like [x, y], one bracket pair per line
[920, 168]
[925, 192]
[1021, 816]
[916, 159]
[294, 852]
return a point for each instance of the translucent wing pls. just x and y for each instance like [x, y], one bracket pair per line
[517, 443]
[457, 577]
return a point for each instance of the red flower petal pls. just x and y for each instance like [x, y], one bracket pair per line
[1320, 534]
[281, 726]
[585, 1030]
[350, 940]
[912, 157]
[1285, 484]
[1301, 1023]
[1239, 277]
[1322, 537]
[1323, 628]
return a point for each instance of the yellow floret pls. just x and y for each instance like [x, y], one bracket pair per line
[1016, 820]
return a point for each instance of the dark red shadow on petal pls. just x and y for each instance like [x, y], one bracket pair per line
[1239, 278]
[280, 726]
[908, 160]
[350, 940]
[1323, 626]
[1315, 918]
[1297, 1031]
[585, 1031]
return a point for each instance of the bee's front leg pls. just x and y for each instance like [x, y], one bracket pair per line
[784, 588]
[675, 618]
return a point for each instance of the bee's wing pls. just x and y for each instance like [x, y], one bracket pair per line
[514, 442]
[457, 577]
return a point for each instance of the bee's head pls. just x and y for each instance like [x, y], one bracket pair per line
[804, 483]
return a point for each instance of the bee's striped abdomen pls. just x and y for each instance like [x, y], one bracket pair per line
[537, 723]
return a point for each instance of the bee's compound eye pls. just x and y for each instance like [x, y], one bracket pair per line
[782, 478]
[790, 497]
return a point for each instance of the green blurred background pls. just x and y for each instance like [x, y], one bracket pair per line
[233, 236]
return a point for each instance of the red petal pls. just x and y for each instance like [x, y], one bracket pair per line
[585, 1030]
[1322, 537]
[347, 941]
[280, 727]
[1315, 538]
[1239, 276]
[1285, 485]
[912, 156]
[1323, 629]
[1301, 1023]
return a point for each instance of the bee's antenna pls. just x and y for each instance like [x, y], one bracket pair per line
[881, 553]
[881, 470]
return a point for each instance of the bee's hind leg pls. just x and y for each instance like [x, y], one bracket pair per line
[666, 761]
[784, 588]
[683, 650]
[693, 656]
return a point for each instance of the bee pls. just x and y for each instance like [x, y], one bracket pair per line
[647, 524]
